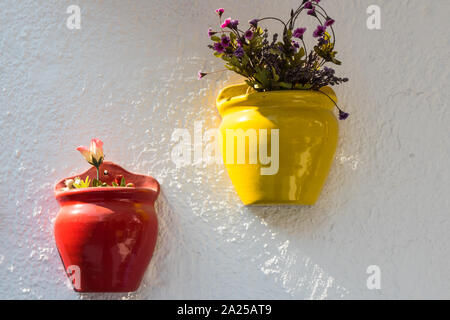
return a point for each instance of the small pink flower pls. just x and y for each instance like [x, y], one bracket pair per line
[226, 23]
[96, 148]
[85, 153]
[220, 11]
[201, 75]
[94, 155]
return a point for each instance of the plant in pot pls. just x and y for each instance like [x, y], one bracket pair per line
[107, 227]
[285, 106]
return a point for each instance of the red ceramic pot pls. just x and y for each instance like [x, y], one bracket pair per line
[106, 236]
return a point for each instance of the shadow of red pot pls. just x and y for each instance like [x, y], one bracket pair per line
[106, 236]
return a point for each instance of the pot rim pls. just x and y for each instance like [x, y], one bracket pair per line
[236, 96]
[146, 183]
[101, 189]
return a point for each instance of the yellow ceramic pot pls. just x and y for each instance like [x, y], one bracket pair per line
[297, 127]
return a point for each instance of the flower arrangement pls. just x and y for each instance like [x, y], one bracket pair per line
[94, 156]
[283, 64]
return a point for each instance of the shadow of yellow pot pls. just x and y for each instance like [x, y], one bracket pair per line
[277, 146]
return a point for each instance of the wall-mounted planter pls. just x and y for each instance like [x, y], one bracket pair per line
[308, 134]
[107, 234]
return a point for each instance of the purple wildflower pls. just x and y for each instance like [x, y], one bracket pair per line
[211, 32]
[219, 47]
[220, 11]
[249, 34]
[299, 32]
[254, 23]
[319, 32]
[308, 5]
[225, 41]
[234, 24]
[343, 115]
[329, 70]
[329, 22]
[239, 52]
[323, 42]
[312, 12]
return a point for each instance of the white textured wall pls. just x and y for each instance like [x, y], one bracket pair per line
[129, 77]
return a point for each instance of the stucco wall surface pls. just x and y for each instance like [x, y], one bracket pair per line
[128, 76]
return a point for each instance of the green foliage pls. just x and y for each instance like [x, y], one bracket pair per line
[122, 182]
[97, 183]
[80, 184]
[326, 50]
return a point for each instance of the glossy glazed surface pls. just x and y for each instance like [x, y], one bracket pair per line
[308, 132]
[109, 233]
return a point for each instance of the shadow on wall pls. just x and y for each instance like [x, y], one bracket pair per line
[298, 260]
[308, 234]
